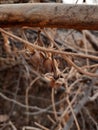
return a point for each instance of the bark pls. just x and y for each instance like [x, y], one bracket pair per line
[49, 15]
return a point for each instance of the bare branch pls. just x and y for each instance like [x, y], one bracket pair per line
[49, 15]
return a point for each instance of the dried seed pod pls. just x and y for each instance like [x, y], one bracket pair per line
[48, 65]
[36, 59]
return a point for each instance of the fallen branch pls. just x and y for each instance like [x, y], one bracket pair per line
[49, 15]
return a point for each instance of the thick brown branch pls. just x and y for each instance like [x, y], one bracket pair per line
[49, 15]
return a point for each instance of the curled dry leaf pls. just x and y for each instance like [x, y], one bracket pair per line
[53, 82]
[50, 79]
[44, 62]
[56, 83]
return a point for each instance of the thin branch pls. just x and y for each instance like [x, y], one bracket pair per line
[53, 104]
[18, 103]
[64, 54]
[41, 126]
[32, 47]
[77, 124]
